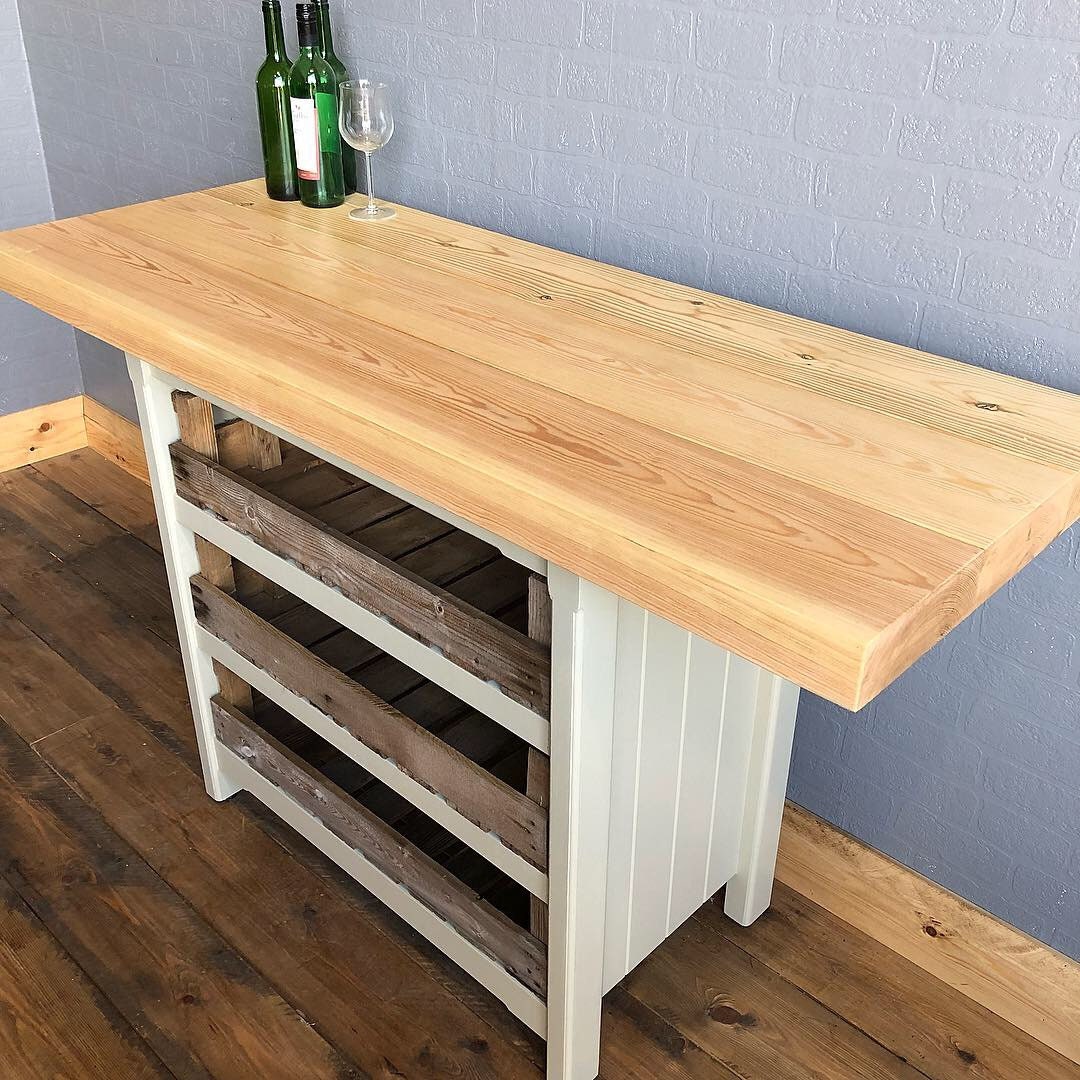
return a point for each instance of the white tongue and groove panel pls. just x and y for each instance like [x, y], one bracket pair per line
[685, 711]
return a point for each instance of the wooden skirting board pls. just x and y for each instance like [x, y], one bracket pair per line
[47, 431]
[1014, 976]
[42, 432]
[115, 437]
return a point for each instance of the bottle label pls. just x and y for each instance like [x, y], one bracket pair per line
[305, 125]
[315, 132]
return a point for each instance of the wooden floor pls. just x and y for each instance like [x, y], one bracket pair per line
[147, 931]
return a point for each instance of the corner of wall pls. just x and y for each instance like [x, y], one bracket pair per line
[43, 365]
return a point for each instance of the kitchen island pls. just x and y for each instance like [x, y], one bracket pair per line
[686, 509]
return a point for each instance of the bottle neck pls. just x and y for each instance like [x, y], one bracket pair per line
[273, 31]
[308, 35]
[326, 34]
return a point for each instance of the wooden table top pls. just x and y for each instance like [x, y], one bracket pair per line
[823, 504]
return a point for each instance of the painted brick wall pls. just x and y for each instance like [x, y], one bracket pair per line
[37, 354]
[906, 168]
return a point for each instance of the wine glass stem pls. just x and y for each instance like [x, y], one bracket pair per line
[367, 175]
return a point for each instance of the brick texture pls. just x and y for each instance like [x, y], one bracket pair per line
[38, 363]
[909, 169]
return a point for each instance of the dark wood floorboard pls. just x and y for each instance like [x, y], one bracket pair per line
[43, 984]
[146, 930]
[198, 1004]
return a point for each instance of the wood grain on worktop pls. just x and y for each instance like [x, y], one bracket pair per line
[824, 504]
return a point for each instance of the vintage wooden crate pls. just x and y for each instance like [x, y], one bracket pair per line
[444, 802]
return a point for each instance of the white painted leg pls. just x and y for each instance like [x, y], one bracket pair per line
[584, 621]
[159, 429]
[749, 892]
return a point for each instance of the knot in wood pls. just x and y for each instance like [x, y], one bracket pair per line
[724, 1013]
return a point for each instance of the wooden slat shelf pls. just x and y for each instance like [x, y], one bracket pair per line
[457, 561]
[496, 758]
[468, 732]
[475, 641]
[445, 894]
[483, 799]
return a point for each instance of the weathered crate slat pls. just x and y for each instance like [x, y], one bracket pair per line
[480, 739]
[477, 921]
[477, 642]
[317, 486]
[335, 752]
[475, 793]
[538, 780]
[360, 509]
[458, 562]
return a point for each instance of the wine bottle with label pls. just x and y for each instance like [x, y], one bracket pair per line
[275, 121]
[313, 90]
[326, 48]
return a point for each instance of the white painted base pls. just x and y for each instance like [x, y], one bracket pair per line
[701, 748]
[669, 760]
[583, 650]
[160, 428]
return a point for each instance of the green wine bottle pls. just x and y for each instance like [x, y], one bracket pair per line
[275, 122]
[313, 90]
[326, 49]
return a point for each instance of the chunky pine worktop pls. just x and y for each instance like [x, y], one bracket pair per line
[826, 505]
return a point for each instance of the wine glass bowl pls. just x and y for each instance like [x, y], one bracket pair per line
[366, 123]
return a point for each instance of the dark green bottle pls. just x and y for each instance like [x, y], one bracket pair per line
[313, 90]
[326, 48]
[275, 122]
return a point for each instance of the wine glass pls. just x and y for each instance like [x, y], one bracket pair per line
[366, 122]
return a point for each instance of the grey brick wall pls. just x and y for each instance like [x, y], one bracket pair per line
[37, 354]
[905, 168]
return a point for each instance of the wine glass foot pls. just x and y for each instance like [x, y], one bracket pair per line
[378, 213]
